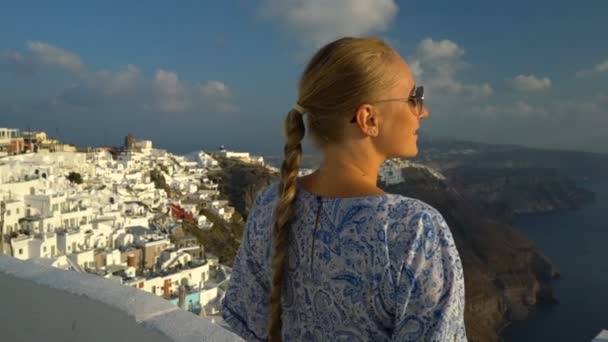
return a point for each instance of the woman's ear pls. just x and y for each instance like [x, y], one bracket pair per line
[372, 122]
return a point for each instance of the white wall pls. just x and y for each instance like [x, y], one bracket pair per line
[194, 275]
[14, 211]
[48, 304]
[20, 188]
[21, 247]
[207, 295]
[113, 258]
[84, 259]
[70, 242]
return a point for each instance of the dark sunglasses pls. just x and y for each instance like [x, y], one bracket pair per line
[416, 99]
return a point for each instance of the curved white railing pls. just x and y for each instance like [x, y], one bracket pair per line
[42, 303]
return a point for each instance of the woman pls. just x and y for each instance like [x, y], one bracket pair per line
[330, 256]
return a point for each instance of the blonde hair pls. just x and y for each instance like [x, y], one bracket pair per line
[339, 78]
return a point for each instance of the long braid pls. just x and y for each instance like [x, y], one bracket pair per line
[338, 79]
[294, 132]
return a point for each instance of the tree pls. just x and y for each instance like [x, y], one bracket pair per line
[223, 239]
[74, 177]
[158, 179]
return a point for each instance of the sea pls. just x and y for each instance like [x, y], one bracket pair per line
[577, 242]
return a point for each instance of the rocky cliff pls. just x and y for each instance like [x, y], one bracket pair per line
[241, 182]
[506, 192]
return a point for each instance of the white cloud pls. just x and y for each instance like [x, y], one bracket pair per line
[436, 64]
[171, 96]
[597, 69]
[487, 112]
[220, 93]
[530, 83]
[214, 88]
[416, 69]
[480, 90]
[602, 67]
[523, 108]
[52, 56]
[125, 89]
[316, 22]
[443, 49]
[116, 83]
[12, 57]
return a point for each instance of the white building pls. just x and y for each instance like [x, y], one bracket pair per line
[13, 211]
[168, 284]
[26, 247]
[71, 241]
[84, 259]
[242, 156]
[6, 136]
[145, 146]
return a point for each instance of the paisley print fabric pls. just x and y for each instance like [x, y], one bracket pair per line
[373, 268]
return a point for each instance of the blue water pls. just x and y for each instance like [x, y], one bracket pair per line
[577, 242]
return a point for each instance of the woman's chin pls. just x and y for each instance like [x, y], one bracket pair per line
[409, 153]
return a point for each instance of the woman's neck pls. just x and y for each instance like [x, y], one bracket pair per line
[341, 175]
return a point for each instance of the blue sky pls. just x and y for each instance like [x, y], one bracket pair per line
[196, 74]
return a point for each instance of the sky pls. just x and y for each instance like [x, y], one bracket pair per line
[194, 75]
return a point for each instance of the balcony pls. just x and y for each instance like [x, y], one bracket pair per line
[47, 304]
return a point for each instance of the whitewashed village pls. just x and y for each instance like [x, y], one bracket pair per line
[124, 213]
[107, 211]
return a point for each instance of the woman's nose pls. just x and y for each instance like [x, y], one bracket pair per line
[424, 114]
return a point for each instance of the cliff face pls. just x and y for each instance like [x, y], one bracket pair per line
[504, 272]
[241, 182]
[505, 192]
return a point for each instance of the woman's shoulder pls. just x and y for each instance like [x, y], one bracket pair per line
[402, 206]
[393, 206]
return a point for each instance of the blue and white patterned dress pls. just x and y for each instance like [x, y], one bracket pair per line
[373, 268]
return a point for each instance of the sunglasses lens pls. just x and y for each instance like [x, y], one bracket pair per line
[419, 99]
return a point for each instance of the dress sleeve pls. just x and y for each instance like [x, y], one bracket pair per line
[429, 283]
[245, 305]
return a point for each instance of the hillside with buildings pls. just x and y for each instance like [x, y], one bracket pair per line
[141, 216]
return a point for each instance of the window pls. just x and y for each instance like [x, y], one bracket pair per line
[20, 251]
[17, 211]
[8, 213]
[44, 249]
[52, 250]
